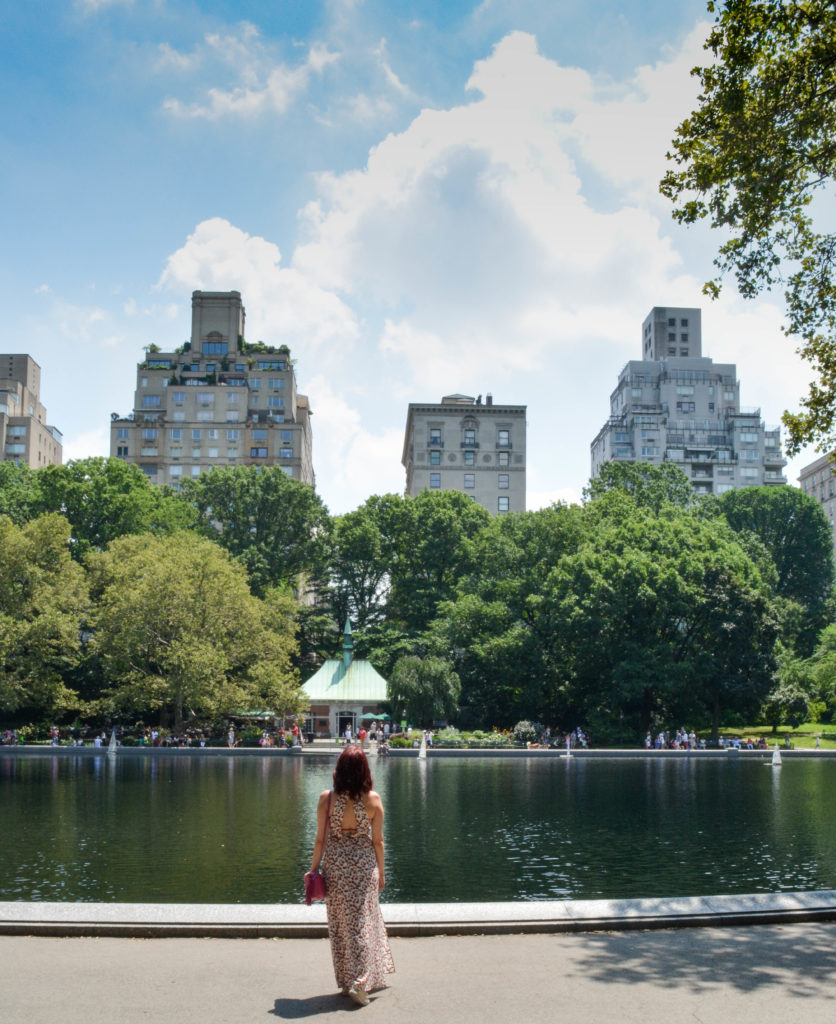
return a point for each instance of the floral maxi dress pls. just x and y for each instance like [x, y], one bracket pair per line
[359, 944]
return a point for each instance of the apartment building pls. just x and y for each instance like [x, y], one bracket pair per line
[676, 405]
[819, 481]
[464, 444]
[25, 435]
[217, 400]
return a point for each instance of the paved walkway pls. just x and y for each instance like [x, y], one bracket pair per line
[765, 974]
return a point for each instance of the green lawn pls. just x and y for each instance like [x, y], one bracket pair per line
[802, 736]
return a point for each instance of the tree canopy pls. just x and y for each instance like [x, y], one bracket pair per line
[752, 159]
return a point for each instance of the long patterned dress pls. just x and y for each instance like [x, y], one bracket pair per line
[359, 944]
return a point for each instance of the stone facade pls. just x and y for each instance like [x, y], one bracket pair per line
[215, 401]
[463, 444]
[675, 405]
[819, 481]
[25, 436]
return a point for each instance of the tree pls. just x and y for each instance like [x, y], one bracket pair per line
[179, 632]
[796, 534]
[752, 157]
[18, 492]
[789, 702]
[426, 689]
[43, 596]
[108, 498]
[274, 526]
[651, 486]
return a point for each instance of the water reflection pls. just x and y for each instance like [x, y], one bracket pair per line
[241, 829]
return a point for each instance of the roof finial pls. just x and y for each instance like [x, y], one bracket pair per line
[348, 643]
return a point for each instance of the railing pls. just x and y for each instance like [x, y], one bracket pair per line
[469, 444]
[435, 442]
[504, 445]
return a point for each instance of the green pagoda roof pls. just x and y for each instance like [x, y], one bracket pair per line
[347, 678]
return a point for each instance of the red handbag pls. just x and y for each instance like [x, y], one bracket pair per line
[314, 880]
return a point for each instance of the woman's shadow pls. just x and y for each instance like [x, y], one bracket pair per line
[297, 1009]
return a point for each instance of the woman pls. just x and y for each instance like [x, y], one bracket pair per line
[354, 875]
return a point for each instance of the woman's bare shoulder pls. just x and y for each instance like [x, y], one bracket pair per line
[373, 799]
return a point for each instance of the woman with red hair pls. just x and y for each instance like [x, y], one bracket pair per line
[354, 876]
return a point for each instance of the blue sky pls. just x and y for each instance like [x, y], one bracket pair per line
[419, 198]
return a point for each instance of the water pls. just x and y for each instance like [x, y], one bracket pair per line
[230, 830]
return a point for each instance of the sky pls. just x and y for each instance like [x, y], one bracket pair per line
[420, 198]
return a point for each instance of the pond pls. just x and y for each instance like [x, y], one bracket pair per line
[240, 830]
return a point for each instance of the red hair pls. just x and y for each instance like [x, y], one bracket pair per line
[352, 773]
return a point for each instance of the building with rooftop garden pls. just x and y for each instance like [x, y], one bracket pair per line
[677, 406]
[25, 435]
[217, 400]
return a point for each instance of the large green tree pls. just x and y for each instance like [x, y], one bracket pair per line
[179, 632]
[43, 596]
[752, 160]
[797, 536]
[425, 689]
[108, 498]
[274, 526]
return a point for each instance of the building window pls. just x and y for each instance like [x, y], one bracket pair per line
[470, 437]
[150, 433]
[286, 435]
[685, 406]
[435, 458]
[123, 432]
[728, 396]
[178, 416]
[179, 396]
[276, 383]
[503, 438]
[683, 351]
[176, 434]
[503, 481]
[503, 459]
[622, 435]
[195, 435]
[258, 453]
[749, 474]
[213, 453]
[195, 471]
[265, 364]
[683, 322]
[435, 436]
[232, 453]
[685, 389]
[175, 453]
[232, 435]
[151, 401]
[195, 453]
[503, 503]
[469, 458]
[649, 451]
[435, 480]
[231, 398]
[149, 468]
[751, 454]
[204, 415]
[285, 453]
[259, 435]
[122, 452]
[636, 392]
[232, 416]
[175, 470]
[469, 481]
[275, 402]
[206, 398]
[215, 348]
[671, 321]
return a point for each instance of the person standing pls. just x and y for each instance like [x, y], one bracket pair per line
[353, 865]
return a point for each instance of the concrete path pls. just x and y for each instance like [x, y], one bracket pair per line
[765, 974]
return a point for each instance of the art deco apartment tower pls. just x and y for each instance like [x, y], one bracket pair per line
[25, 436]
[675, 405]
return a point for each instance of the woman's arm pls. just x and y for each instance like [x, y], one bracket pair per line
[376, 804]
[320, 828]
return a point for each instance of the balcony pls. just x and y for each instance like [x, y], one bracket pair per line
[435, 442]
[469, 444]
[504, 446]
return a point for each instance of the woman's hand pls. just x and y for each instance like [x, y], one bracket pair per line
[381, 881]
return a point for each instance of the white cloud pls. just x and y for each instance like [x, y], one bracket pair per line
[282, 303]
[261, 84]
[351, 460]
[86, 444]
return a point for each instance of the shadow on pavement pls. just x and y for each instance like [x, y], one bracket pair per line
[745, 959]
[298, 1009]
